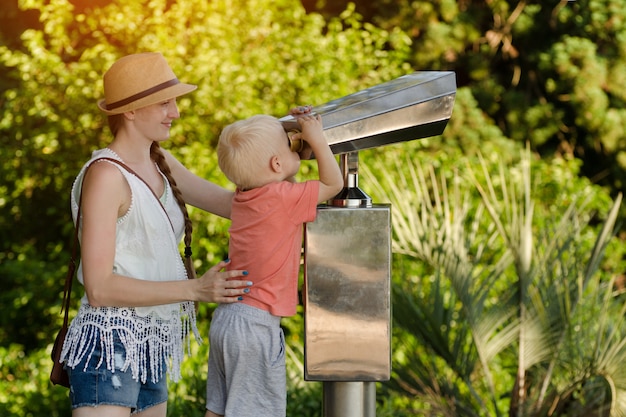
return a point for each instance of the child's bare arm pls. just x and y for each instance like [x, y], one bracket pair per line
[331, 181]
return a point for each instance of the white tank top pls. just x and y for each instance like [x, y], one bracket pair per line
[147, 248]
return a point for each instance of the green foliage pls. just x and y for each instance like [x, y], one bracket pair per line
[547, 73]
[32, 291]
[246, 57]
[25, 389]
[504, 302]
[243, 61]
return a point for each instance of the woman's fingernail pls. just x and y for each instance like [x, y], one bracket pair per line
[245, 273]
[246, 290]
[249, 283]
[240, 298]
[227, 260]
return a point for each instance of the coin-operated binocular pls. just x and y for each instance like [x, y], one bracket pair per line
[347, 249]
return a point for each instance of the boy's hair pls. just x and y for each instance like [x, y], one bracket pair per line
[246, 147]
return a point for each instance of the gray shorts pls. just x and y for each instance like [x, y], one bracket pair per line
[246, 363]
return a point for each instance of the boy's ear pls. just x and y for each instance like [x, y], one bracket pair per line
[275, 165]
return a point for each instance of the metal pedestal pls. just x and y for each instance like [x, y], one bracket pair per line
[349, 399]
[347, 268]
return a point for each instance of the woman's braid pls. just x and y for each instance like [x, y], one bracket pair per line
[157, 156]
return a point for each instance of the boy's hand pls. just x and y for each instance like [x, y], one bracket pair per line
[331, 179]
[312, 130]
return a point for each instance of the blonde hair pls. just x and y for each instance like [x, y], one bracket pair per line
[246, 147]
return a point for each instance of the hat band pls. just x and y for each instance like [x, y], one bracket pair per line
[142, 94]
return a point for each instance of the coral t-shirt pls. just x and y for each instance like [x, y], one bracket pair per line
[266, 240]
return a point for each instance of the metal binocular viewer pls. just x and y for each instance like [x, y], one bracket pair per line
[347, 249]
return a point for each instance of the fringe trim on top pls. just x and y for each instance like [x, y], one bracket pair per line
[149, 342]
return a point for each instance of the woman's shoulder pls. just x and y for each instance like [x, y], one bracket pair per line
[103, 174]
[103, 164]
[102, 170]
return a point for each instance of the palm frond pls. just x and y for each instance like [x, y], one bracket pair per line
[485, 289]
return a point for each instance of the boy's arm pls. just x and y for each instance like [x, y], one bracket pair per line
[331, 180]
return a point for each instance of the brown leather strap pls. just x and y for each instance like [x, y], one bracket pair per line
[71, 268]
[142, 94]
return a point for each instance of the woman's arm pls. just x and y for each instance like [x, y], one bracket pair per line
[199, 192]
[106, 196]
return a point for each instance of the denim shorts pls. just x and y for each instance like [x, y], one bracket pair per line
[96, 385]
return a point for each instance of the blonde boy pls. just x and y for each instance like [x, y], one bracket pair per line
[246, 360]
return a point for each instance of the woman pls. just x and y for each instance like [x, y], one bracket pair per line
[138, 306]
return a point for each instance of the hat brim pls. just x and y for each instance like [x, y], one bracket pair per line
[169, 93]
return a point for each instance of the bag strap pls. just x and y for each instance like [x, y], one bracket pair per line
[71, 268]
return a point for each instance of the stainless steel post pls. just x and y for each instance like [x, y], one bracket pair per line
[349, 399]
[347, 250]
[348, 298]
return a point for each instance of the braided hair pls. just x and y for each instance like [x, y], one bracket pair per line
[157, 156]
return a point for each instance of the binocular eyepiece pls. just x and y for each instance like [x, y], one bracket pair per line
[295, 145]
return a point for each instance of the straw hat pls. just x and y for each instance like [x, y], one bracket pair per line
[140, 80]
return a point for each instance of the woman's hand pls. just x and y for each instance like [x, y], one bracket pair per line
[217, 286]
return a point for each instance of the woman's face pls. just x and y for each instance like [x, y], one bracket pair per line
[155, 121]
